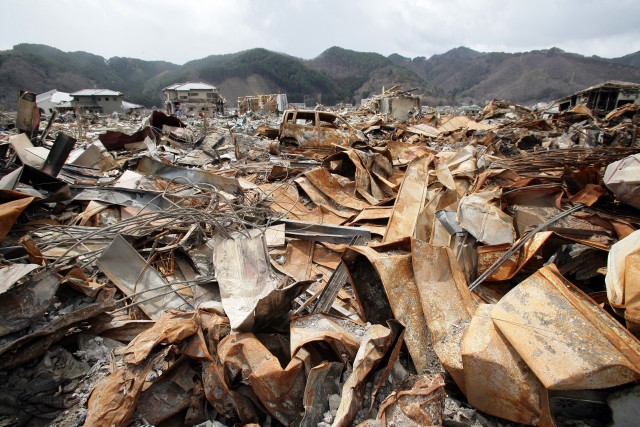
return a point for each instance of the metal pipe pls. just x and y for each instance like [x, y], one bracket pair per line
[516, 246]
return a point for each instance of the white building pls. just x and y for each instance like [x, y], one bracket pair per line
[49, 100]
[196, 96]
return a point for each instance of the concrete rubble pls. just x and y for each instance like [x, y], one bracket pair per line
[387, 265]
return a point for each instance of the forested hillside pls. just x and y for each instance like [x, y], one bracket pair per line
[336, 75]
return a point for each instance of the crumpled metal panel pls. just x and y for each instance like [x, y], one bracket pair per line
[36, 344]
[489, 254]
[24, 305]
[148, 166]
[616, 268]
[446, 303]
[11, 210]
[410, 200]
[419, 401]
[321, 199]
[162, 400]
[12, 274]
[497, 380]
[393, 264]
[327, 184]
[621, 178]
[225, 401]
[130, 273]
[485, 221]
[377, 341]
[244, 275]
[567, 340]
[323, 381]
[367, 166]
[280, 390]
[343, 335]
[171, 328]
[113, 400]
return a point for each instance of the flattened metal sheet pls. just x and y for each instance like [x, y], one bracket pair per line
[410, 200]
[128, 270]
[567, 340]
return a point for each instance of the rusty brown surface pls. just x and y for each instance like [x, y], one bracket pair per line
[343, 335]
[588, 195]
[317, 136]
[299, 256]
[164, 399]
[393, 265]
[326, 257]
[322, 200]
[114, 399]
[328, 185]
[223, 400]
[35, 256]
[419, 401]
[11, 210]
[497, 380]
[372, 173]
[286, 200]
[171, 328]
[375, 345]
[567, 340]
[410, 200]
[280, 390]
[488, 255]
[446, 303]
[393, 358]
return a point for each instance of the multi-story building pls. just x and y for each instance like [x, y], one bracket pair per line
[97, 101]
[192, 96]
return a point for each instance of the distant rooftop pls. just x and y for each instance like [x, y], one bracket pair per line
[190, 86]
[54, 96]
[96, 92]
[613, 84]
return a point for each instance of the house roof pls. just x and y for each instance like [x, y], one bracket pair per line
[96, 92]
[190, 86]
[45, 95]
[615, 84]
[131, 106]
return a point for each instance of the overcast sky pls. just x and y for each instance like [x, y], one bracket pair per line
[179, 31]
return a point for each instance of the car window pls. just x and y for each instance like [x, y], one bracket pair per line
[306, 119]
[327, 120]
[289, 118]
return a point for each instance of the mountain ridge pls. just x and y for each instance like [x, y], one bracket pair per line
[459, 75]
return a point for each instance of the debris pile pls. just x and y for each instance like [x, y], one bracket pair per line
[322, 268]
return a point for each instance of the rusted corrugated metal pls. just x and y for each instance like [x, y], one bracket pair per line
[393, 265]
[411, 198]
[567, 340]
[446, 303]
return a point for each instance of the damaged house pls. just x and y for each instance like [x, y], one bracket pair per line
[97, 101]
[604, 97]
[192, 96]
[50, 100]
[272, 103]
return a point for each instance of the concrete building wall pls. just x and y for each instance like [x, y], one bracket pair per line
[399, 108]
[108, 104]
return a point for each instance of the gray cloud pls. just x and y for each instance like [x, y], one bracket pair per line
[191, 29]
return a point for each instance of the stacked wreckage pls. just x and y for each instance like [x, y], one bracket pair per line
[322, 268]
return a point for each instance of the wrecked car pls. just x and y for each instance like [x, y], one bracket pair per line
[317, 129]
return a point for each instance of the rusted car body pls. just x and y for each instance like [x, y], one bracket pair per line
[317, 129]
